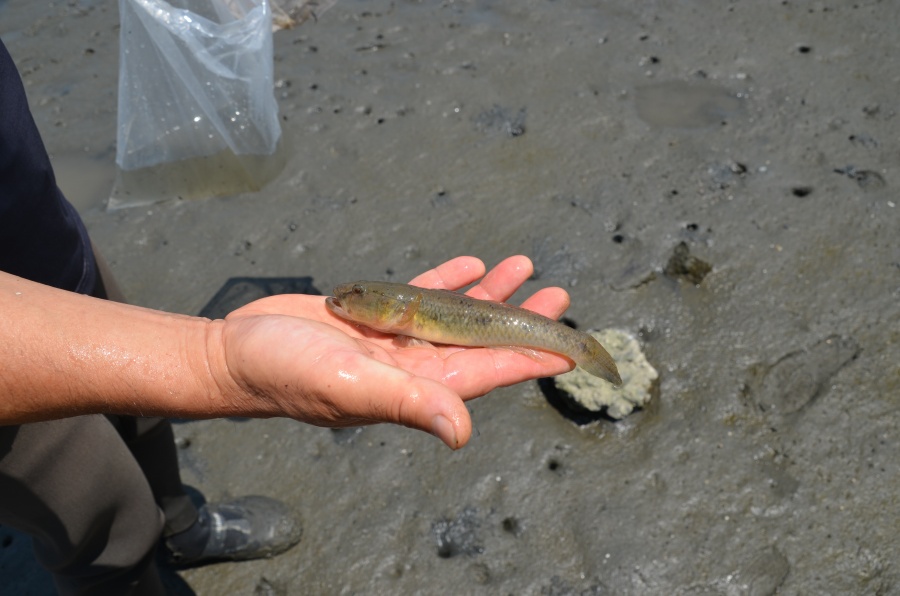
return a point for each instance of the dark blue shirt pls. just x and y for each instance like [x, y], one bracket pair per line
[42, 237]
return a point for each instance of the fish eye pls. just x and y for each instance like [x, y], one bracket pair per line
[358, 289]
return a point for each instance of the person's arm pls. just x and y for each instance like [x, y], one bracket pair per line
[62, 354]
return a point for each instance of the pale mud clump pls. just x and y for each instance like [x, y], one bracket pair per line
[287, 14]
[594, 394]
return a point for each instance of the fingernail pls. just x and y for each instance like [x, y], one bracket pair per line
[444, 430]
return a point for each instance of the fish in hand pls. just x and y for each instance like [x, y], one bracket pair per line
[445, 317]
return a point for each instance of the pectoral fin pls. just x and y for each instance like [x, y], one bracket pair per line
[410, 312]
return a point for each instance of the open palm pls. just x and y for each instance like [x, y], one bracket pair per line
[295, 358]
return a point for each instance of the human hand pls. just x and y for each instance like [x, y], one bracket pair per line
[287, 355]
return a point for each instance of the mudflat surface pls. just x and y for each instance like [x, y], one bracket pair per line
[718, 178]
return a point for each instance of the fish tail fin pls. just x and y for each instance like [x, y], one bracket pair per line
[599, 363]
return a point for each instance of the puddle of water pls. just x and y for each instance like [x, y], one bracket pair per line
[683, 104]
[84, 180]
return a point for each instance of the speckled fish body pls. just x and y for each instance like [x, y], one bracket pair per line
[445, 317]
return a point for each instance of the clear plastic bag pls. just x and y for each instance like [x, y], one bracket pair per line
[195, 81]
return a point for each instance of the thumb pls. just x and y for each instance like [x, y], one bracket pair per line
[441, 412]
[397, 396]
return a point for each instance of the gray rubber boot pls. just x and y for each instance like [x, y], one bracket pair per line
[251, 527]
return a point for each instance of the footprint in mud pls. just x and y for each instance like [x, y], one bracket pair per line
[799, 378]
[868, 180]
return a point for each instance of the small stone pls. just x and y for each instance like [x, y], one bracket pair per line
[637, 375]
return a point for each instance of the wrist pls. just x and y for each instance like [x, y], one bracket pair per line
[220, 389]
[226, 392]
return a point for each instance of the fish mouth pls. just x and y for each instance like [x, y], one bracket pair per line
[334, 305]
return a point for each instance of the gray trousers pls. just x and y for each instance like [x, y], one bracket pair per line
[95, 493]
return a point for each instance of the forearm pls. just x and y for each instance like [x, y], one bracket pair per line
[64, 354]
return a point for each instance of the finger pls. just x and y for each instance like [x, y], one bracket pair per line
[501, 367]
[452, 275]
[550, 302]
[502, 281]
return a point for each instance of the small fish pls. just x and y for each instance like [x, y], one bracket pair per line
[452, 318]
